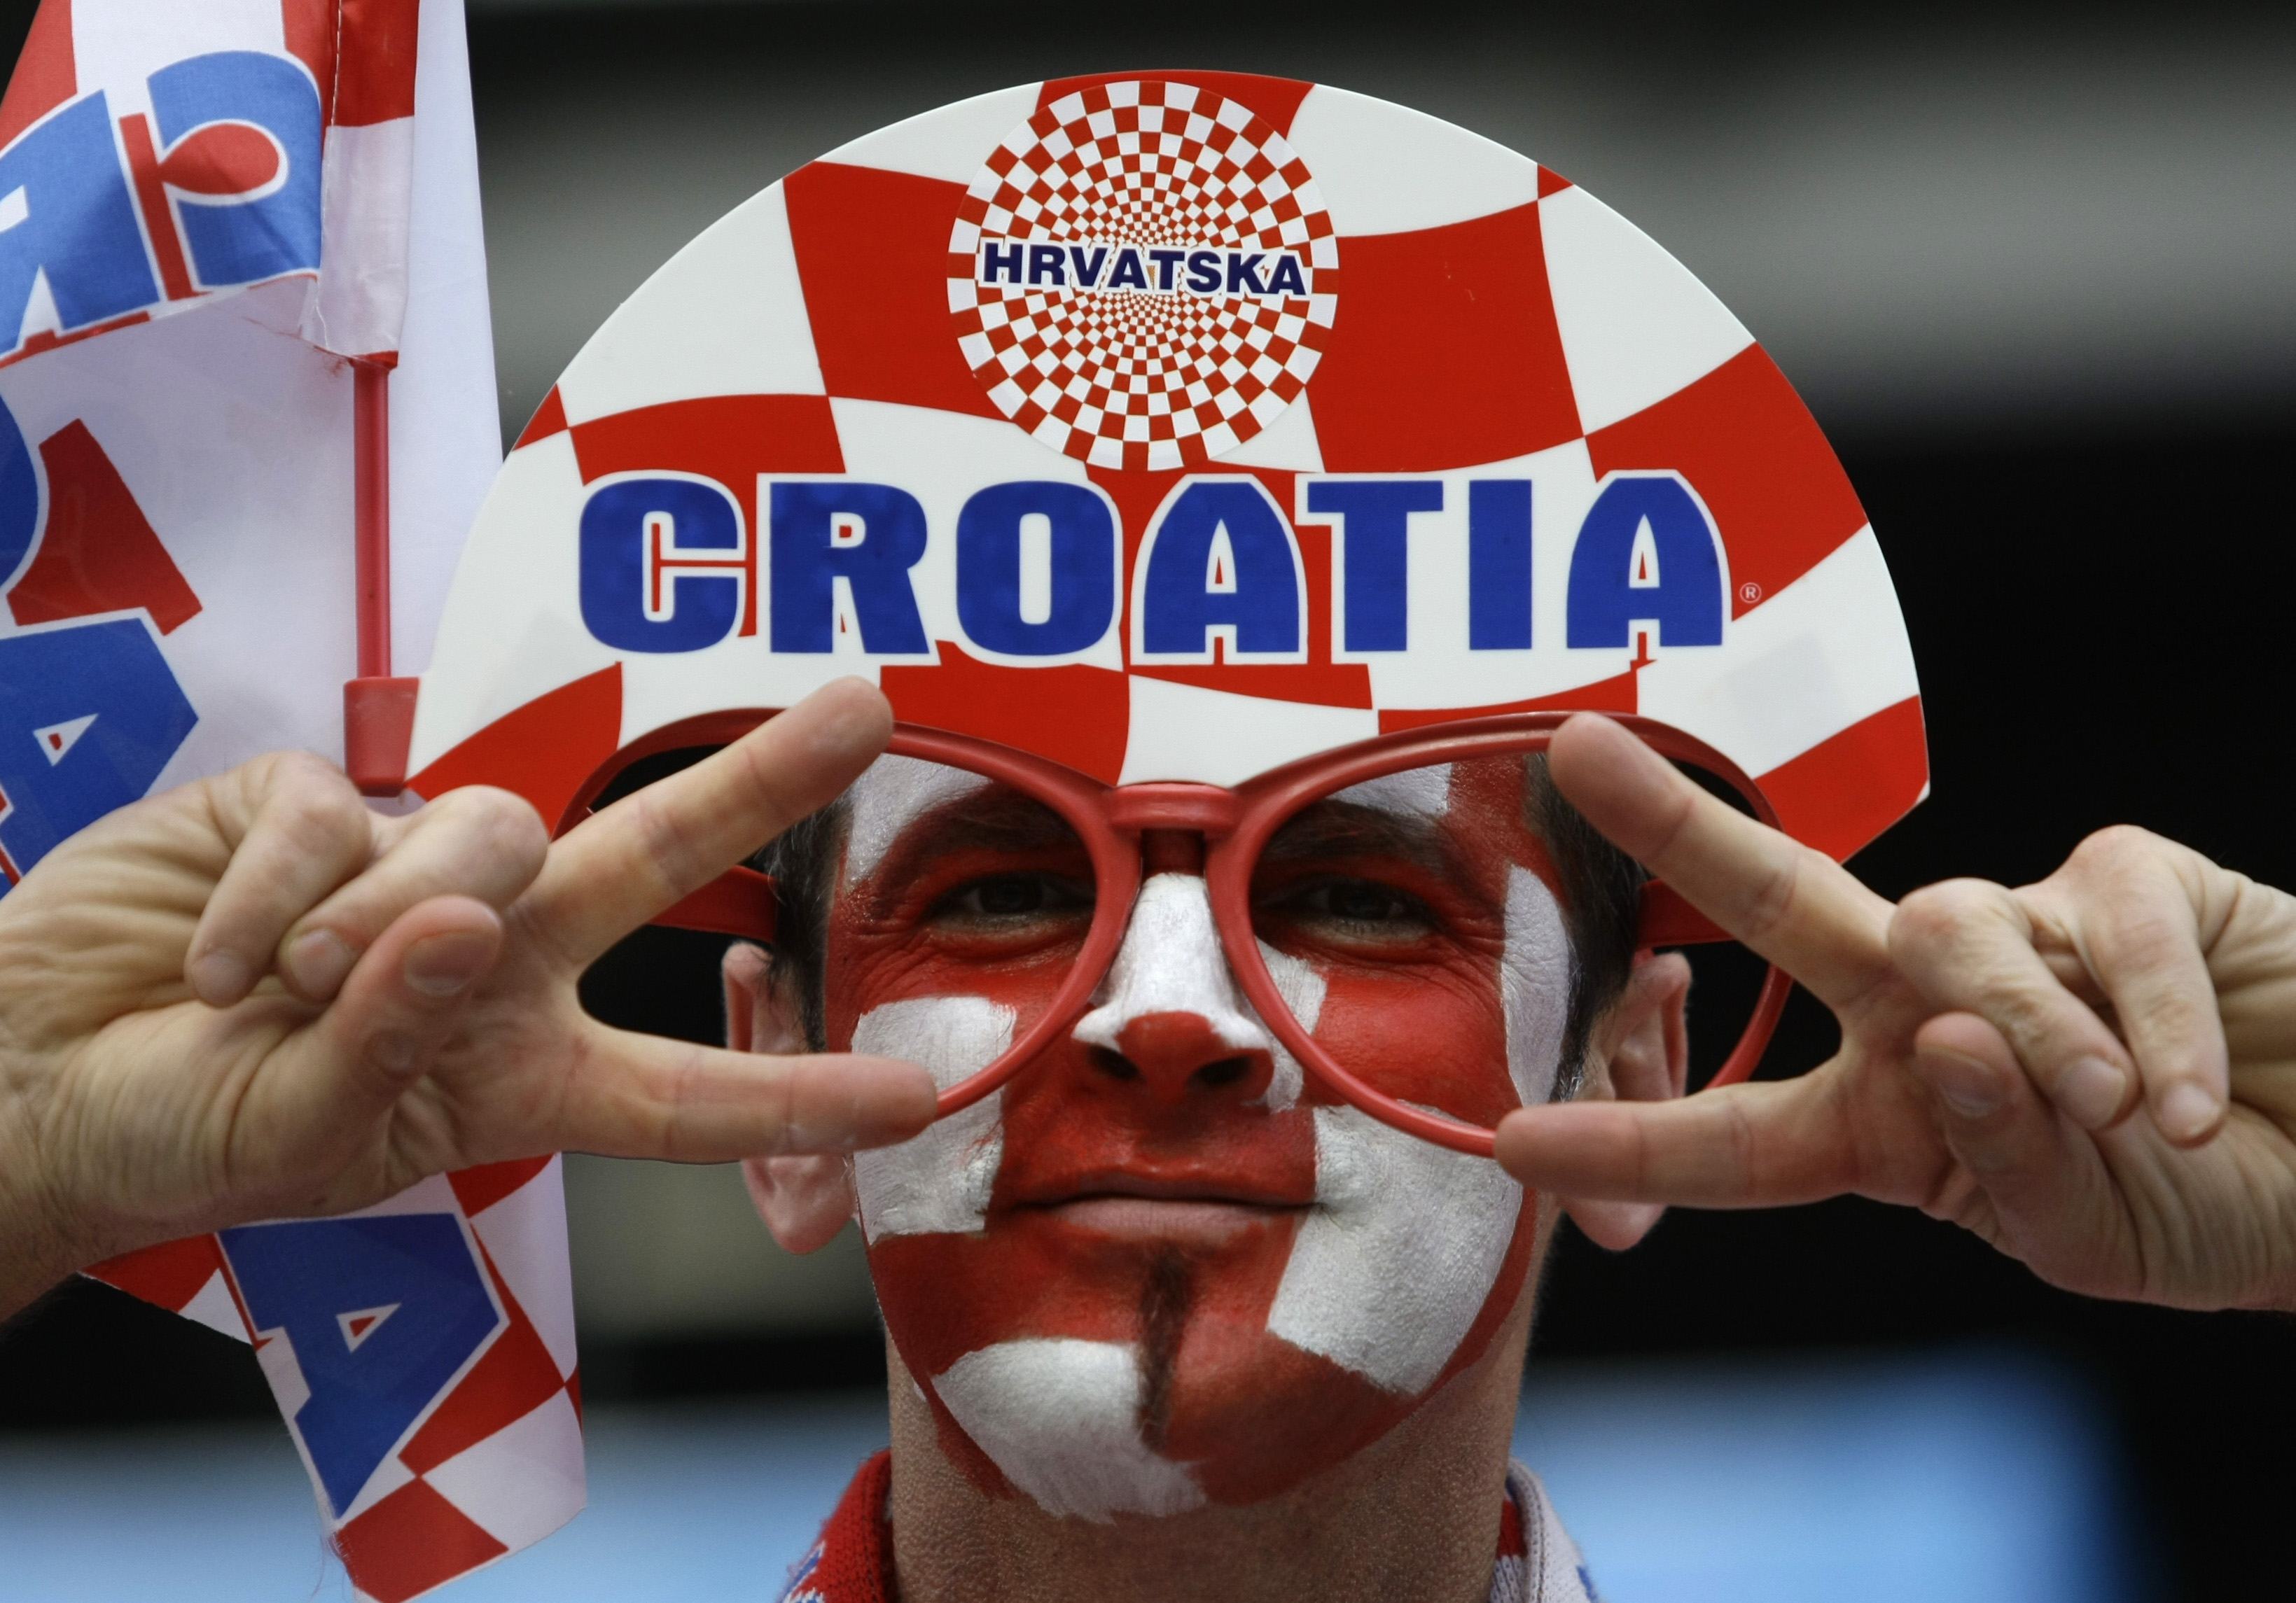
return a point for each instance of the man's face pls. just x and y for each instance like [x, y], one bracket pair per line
[1161, 1268]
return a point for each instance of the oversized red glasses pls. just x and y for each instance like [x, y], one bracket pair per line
[1346, 889]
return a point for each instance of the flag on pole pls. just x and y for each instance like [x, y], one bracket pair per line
[247, 415]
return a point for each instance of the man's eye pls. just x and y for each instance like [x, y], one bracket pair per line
[1009, 896]
[1363, 904]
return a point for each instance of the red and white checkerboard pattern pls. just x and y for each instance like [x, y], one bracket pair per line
[1495, 319]
[496, 1464]
[1144, 377]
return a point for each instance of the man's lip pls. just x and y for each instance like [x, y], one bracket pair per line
[1203, 1223]
[1231, 1189]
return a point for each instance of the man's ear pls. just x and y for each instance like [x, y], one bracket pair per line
[1641, 1053]
[804, 1201]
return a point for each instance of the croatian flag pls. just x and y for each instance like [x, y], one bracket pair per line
[247, 416]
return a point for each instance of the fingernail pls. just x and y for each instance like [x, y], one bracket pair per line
[2091, 1091]
[1967, 1085]
[318, 960]
[2186, 1113]
[219, 979]
[441, 965]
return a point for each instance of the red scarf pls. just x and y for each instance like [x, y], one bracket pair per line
[853, 1561]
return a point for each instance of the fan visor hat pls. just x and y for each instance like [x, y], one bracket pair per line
[1200, 452]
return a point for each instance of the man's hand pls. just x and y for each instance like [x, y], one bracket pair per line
[252, 997]
[2096, 1073]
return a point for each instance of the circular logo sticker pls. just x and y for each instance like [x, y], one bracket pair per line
[1142, 276]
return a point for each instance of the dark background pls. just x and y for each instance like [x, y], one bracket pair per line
[2088, 543]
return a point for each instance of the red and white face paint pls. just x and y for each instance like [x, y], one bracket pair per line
[1160, 1268]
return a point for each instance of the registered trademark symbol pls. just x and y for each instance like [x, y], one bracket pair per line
[1750, 592]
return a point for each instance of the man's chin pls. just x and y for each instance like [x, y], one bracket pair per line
[1219, 1412]
[1257, 1417]
[1126, 1346]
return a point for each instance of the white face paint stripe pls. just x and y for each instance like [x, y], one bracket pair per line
[1392, 1266]
[1390, 1270]
[1060, 1418]
[1414, 792]
[890, 795]
[1171, 962]
[1535, 972]
[938, 1182]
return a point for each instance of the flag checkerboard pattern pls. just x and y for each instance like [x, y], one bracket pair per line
[1120, 378]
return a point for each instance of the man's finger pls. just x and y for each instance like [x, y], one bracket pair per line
[398, 1008]
[2043, 1179]
[478, 842]
[1762, 1145]
[306, 832]
[1795, 906]
[638, 856]
[645, 1096]
[1967, 945]
[2132, 917]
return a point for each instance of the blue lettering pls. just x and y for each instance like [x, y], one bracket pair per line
[1086, 263]
[382, 1312]
[239, 240]
[1605, 601]
[1000, 260]
[1045, 265]
[1127, 273]
[1374, 550]
[1284, 278]
[1204, 272]
[808, 559]
[635, 535]
[1084, 549]
[20, 496]
[1167, 262]
[1183, 598]
[1498, 565]
[89, 714]
[1244, 274]
[77, 223]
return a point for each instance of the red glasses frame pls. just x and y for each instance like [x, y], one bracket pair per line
[1234, 825]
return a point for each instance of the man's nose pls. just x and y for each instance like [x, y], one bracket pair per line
[1168, 1017]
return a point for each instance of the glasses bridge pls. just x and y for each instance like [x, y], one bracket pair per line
[1206, 810]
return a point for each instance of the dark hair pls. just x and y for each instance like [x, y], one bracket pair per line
[1601, 898]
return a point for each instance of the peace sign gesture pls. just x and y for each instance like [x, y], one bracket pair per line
[252, 997]
[2096, 1073]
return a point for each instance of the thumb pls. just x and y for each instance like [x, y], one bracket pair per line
[397, 1009]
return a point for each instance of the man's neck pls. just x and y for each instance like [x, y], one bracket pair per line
[1415, 1515]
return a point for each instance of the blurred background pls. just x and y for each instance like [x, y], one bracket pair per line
[2037, 280]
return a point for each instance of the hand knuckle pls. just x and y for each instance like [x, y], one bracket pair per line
[319, 813]
[1941, 913]
[1770, 903]
[517, 829]
[2114, 847]
[503, 825]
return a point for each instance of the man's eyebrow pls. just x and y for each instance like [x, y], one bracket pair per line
[1329, 827]
[993, 820]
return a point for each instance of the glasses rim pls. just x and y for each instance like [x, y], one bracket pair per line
[1235, 822]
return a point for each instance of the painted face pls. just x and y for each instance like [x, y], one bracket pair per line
[1159, 1268]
